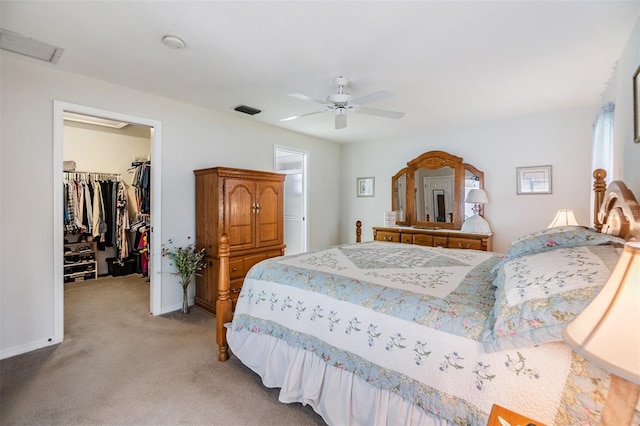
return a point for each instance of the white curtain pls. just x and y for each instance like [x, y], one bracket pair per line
[602, 147]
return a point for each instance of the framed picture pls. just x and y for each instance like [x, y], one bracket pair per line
[534, 180]
[636, 106]
[366, 186]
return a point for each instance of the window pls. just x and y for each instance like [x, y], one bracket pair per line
[602, 147]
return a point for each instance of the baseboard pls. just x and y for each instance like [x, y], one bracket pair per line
[22, 349]
[176, 307]
[19, 350]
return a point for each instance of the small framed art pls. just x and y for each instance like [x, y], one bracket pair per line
[366, 186]
[636, 106]
[534, 180]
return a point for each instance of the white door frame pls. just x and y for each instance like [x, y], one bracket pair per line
[155, 286]
[305, 187]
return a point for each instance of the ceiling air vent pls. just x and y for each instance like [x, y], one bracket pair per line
[247, 110]
[18, 43]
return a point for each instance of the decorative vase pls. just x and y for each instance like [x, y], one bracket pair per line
[185, 300]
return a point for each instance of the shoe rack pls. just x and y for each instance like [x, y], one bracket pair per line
[80, 261]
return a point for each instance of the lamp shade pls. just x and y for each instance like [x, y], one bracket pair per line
[477, 196]
[607, 332]
[563, 218]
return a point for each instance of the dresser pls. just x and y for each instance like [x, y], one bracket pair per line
[434, 237]
[248, 206]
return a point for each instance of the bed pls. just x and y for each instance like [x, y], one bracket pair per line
[390, 333]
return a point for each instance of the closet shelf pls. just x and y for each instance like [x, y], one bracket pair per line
[80, 260]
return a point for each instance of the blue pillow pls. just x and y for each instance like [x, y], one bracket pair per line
[537, 295]
[554, 238]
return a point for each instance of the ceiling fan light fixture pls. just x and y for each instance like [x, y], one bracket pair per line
[342, 102]
[341, 118]
[173, 42]
[339, 98]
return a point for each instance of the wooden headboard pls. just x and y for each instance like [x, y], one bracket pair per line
[616, 209]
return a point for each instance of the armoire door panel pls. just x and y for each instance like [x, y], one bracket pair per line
[270, 215]
[240, 217]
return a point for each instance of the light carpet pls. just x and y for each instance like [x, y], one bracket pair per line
[119, 365]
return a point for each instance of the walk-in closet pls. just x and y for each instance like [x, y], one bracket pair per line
[107, 202]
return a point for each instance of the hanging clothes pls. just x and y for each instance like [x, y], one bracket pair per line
[141, 181]
[99, 224]
[143, 249]
[106, 188]
[122, 221]
[91, 207]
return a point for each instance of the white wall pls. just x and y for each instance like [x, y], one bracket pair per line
[627, 163]
[561, 139]
[101, 149]
[192, 138]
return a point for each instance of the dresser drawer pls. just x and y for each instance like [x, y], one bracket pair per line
[423, 240]
[406, 238]
[393, 237]
[465, 243]
[440, 242]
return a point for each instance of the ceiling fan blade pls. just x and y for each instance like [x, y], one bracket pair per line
[307, 98]
[380, 112]
[341, 120]
[373, 97]
[302, 115]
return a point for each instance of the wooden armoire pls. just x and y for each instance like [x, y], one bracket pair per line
[248, 206]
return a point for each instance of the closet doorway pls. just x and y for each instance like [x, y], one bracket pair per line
[100, 149]
[293, 163]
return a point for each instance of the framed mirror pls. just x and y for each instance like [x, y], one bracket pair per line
[473, 179]
[399, 196]
[430, 191]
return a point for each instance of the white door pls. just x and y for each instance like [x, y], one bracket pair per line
[438, 212]
[293, 164]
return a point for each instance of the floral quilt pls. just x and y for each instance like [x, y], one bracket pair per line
[408, 319]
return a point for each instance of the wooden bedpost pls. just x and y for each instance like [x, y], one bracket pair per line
[599, 188]
[224, 312]
[358, 232]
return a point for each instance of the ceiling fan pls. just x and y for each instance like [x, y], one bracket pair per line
[342, 102]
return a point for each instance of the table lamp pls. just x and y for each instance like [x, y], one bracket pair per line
[476, 224]
[563, 218]
[607, 333]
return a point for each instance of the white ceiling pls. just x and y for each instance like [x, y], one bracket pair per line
[448, 62]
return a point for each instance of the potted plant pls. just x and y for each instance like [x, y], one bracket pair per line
[187, 261]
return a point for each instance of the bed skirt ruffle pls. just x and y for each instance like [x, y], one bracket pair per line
[340, 397]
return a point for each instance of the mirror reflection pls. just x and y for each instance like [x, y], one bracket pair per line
[399, 200]
[473, 179]
[428, 207]
[431, 191]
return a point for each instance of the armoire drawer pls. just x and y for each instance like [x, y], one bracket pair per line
[239, 266]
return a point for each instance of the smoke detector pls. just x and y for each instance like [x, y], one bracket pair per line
[173, 42]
